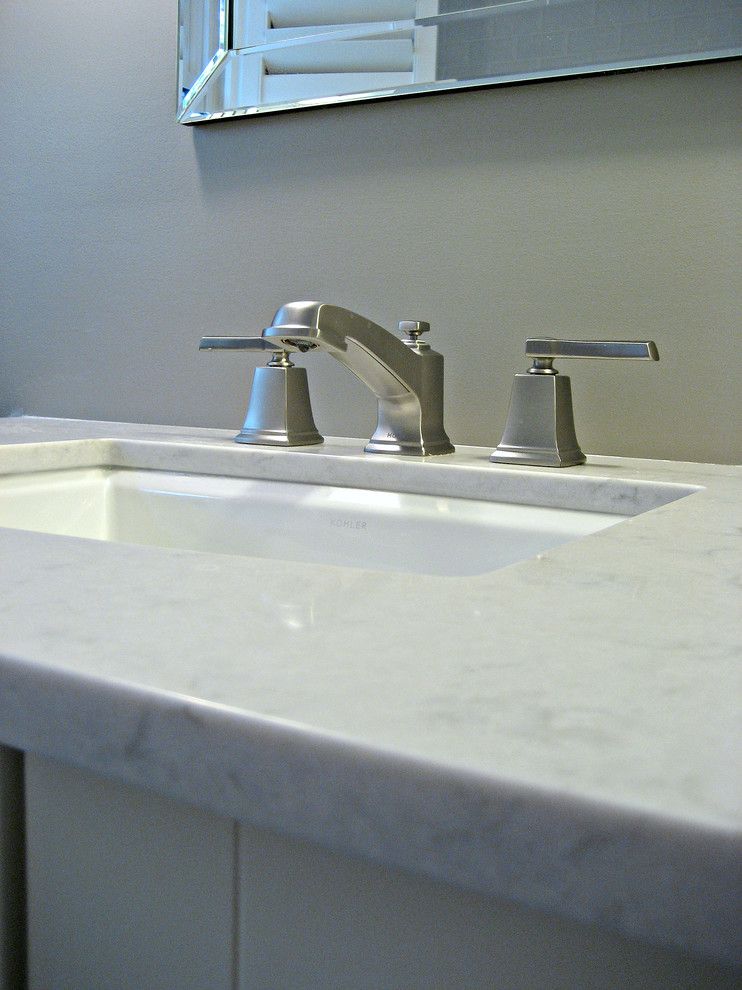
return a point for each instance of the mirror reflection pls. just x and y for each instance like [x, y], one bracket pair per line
[255, 56]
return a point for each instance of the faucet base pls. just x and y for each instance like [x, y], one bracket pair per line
[409, 448]
[537, 456]
[276, 438]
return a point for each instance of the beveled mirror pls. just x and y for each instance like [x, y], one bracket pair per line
[240, 58]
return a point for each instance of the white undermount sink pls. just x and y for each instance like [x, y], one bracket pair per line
[325, 524]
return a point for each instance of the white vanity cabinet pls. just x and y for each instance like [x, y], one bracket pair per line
[128, 889]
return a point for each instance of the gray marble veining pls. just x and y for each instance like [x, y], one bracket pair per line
[564, 732]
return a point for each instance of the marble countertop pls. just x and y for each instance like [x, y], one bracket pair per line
[564, 732]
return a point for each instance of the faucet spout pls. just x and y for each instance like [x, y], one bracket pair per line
[405, 376]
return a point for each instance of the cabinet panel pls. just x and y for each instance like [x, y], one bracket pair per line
[126, 889]
[310, 918]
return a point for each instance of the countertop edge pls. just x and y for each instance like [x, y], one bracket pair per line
[596, 863]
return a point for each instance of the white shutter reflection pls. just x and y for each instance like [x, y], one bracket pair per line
[294, 50]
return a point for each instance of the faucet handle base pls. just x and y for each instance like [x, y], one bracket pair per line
[279, 413]
[540, 428]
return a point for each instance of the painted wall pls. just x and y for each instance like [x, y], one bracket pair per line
[600, 207]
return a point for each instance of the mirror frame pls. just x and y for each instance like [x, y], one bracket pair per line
[221, 10]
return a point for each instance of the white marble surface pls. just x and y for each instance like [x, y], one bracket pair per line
[564, 732]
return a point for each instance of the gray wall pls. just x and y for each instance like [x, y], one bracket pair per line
[598, 207]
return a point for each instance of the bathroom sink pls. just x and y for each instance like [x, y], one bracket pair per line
[325, 524]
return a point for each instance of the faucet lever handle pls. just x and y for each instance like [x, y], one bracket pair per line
[238, 344]
[545, 350]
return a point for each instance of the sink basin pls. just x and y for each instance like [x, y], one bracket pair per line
[326, 524]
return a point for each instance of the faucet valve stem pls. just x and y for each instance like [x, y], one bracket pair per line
[280, 360]
[414, 330]
[543, 366]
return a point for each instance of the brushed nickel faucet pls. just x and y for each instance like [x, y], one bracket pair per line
[540, 428]
[406, 376]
